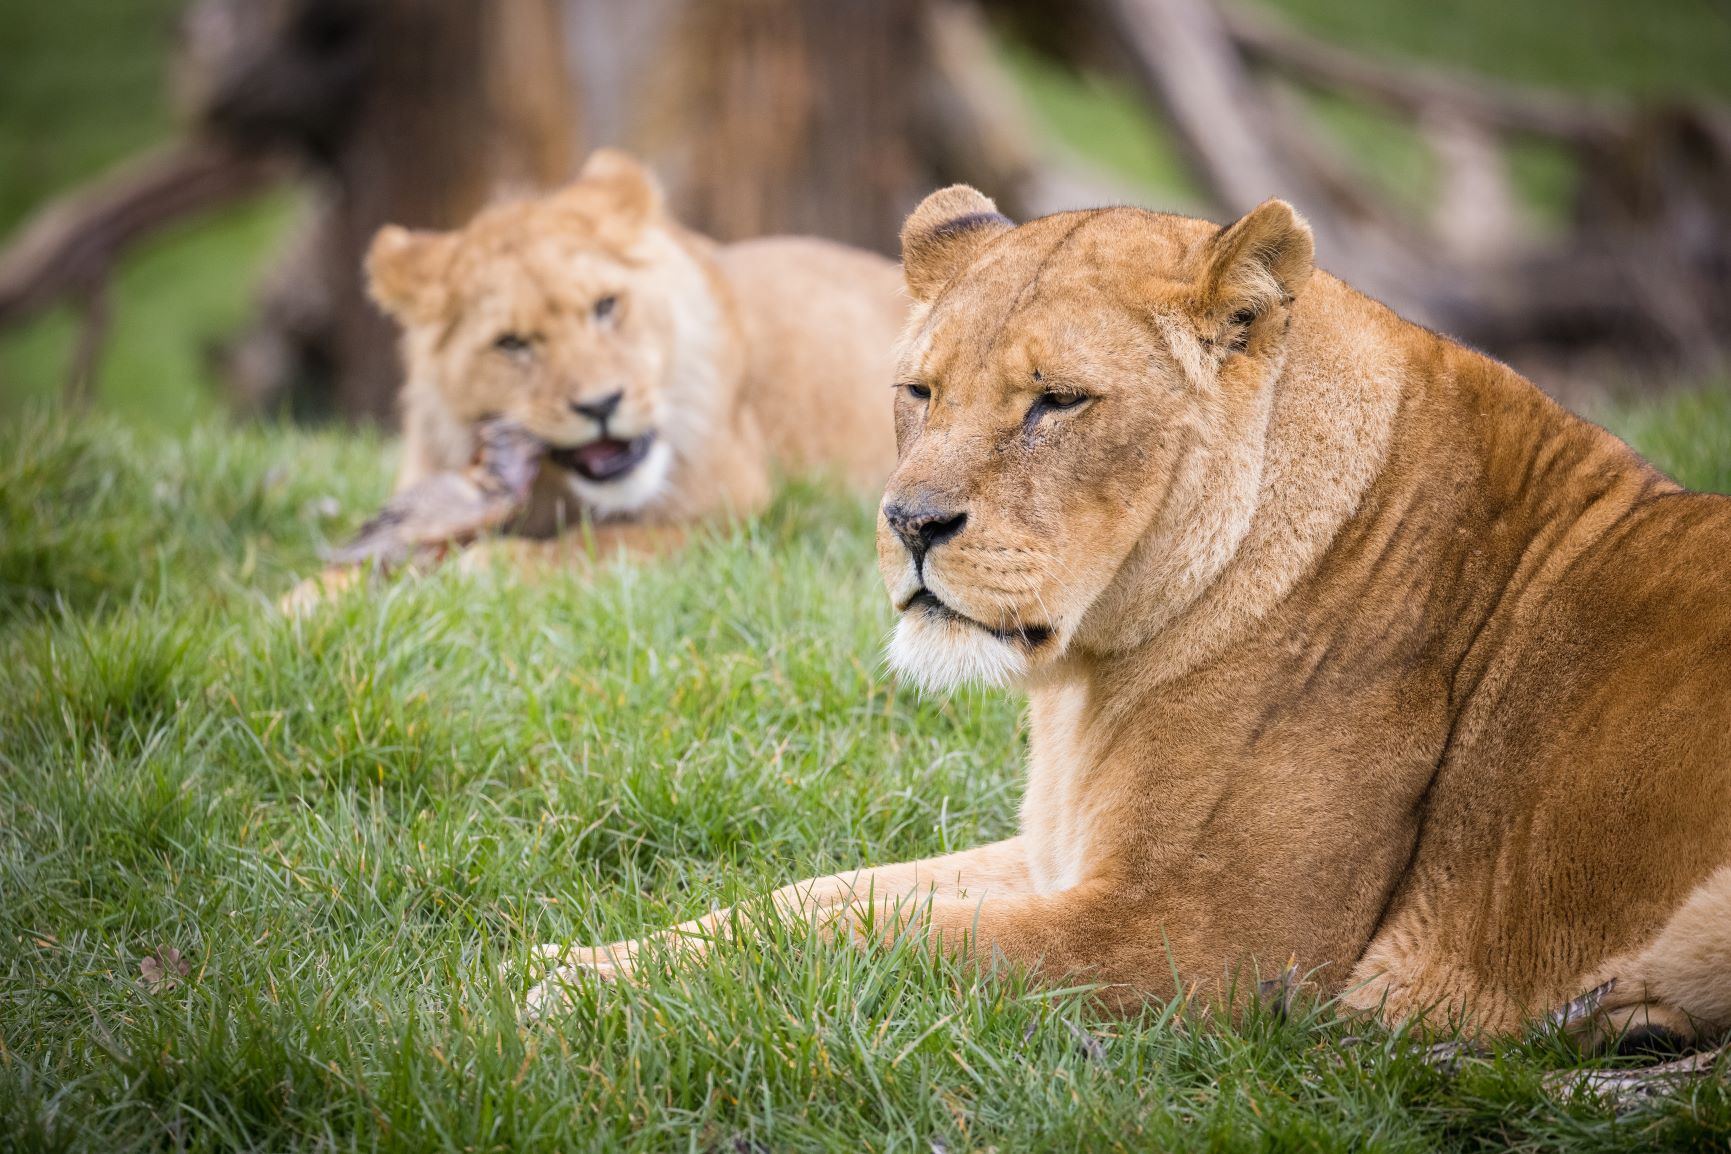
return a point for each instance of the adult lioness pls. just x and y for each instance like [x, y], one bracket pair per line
[1342, 641]
[670, 375]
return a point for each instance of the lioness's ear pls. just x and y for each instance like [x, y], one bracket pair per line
[944, 234]
[406, 272]
[619, 191]
[1253, 268]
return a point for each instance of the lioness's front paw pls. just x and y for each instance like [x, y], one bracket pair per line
[1620, 1016]
[571, 969]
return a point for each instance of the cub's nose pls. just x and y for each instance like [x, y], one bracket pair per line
[923, 526]
[598, 409]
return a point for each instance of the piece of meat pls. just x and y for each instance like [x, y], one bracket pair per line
[454, 507]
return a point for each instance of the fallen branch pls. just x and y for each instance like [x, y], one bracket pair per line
[1183, 57]
[1417, 89]
[983, 130]
[1627, 1087]
[70, 246]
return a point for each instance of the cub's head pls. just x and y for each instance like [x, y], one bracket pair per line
[1079, 421]
[566, 314]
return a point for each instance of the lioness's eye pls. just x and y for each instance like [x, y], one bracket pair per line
[604, 307]
[1053, 402]
[512, 344]
[918, 392]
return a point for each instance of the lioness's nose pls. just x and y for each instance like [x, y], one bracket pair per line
[600, 408]
[923, 526]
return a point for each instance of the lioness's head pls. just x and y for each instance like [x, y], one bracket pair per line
[1079, 420]
[567, 314]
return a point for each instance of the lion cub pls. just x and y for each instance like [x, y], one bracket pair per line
[669, 377]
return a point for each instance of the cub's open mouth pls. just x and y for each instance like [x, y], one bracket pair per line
[605, 460]
[1033, 636]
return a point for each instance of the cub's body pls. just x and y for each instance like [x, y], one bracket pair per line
[818, 321]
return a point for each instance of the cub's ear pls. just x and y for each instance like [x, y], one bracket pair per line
[944, 234]
[618, 192]
[406, 272]
[1252, 269]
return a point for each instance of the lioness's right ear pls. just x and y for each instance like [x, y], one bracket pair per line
[944, 234]
[406, 272]
[1253, 269]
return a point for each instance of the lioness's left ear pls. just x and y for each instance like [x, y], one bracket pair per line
[1253, 268]
[944, 234]
[618, 191]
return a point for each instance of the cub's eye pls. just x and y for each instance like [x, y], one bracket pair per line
[513, 344]
[605, 306]
[918, 392]
[1241, 317]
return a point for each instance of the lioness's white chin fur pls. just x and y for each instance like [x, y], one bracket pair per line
[631, 492]
[940, 656]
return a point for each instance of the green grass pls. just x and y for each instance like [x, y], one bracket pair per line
[1688, 434]
[351, 825]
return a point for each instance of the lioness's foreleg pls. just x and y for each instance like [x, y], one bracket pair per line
[958, 884]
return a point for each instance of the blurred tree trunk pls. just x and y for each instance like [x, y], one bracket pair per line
[825, 117]
[469, 98]
[762, 116]
[413, 112]
[771, 116]
[794, 116]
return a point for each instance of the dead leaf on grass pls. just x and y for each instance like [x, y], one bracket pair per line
[1091, 1046]
[163, 971]
[1278, 993]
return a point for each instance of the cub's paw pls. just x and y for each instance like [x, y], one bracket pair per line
[515, 557]
[320, 589]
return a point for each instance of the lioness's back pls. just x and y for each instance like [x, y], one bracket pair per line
[815, 311]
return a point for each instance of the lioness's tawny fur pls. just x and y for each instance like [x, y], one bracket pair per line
[1341, 641]
[671, 376]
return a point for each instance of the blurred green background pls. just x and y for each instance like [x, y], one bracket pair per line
[84, 84]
